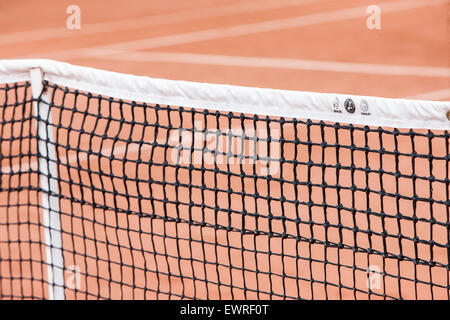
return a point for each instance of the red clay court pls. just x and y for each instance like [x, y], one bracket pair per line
[121, 185]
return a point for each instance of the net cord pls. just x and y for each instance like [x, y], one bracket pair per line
[371, 111]
[49, 187]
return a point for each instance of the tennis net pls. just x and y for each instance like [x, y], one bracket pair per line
[123, 187]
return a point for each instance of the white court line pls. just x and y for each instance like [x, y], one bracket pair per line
[278, 63]
[119, 151]
[238, 30]
[443, 94]
[80, 156]
[266, 26]
[149, 21]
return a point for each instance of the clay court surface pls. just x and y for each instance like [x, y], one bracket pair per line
[321, 46]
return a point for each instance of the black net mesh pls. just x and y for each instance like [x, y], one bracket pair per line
[166, 202]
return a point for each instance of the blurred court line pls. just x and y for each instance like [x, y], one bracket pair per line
[149, 21]
[122, 150]
[278, 63]
[80, 156]
[235, 31]
[443, 94]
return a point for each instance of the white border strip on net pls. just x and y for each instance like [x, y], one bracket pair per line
[400, 113]
[49, 185]
[13, 77]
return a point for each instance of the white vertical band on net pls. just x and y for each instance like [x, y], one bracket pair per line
[48, 177]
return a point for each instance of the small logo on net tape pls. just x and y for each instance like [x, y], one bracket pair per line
[364, 107]
[349, 105]
[336, 106]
